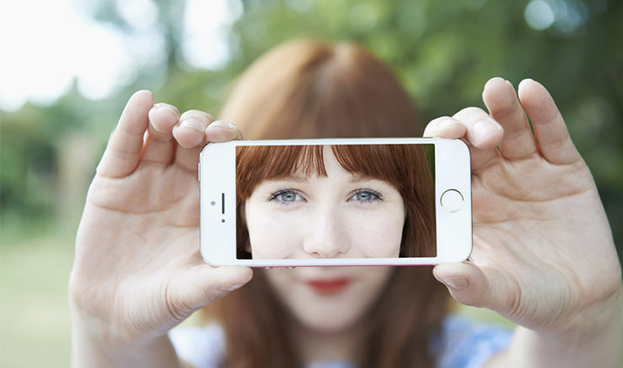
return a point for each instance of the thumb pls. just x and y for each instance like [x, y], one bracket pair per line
[466, 282]
[204, 284]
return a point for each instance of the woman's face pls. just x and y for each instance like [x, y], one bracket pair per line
[341, 215]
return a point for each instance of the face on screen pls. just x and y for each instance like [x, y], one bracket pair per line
[330, 213]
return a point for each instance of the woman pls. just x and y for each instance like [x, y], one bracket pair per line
[312, 90]
[543, 251]
[321, 91]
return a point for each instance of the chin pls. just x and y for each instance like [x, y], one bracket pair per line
[329, 314]
[328, 324]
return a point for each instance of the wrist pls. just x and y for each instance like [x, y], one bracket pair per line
[96, 344]
[594, 321]
[594, 340]
[88, 351]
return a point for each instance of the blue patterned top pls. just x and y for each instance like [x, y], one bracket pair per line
[462, 344]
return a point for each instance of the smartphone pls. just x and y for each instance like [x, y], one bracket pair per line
[335, 202]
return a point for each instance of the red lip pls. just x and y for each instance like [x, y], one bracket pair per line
[329, 287]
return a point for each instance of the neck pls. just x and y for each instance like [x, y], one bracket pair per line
[314, 346]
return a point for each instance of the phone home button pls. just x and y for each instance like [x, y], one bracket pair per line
[452, 200]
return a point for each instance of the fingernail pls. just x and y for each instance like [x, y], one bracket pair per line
[526, 81]
[161, 106]
[455, 282]
[223, 124]
[193, 124]
[234, 287]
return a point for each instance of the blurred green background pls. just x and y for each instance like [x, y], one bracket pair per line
[189, 53]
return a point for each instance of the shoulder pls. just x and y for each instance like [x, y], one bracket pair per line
[461, 344]
[203, 346]
[467, 344]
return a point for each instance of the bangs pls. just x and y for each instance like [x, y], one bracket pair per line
[395, 163]
[255, 164]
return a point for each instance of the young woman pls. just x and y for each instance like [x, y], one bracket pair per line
[543, 251]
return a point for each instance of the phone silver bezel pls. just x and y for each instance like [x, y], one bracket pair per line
[218, 229]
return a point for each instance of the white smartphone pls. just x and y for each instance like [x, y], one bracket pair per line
[335, 202]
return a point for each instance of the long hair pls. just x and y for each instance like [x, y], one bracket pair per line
[307, 89]
[405, 167]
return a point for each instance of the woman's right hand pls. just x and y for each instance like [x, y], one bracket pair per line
[138, 270]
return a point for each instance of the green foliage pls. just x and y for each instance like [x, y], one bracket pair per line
[29, 145]
[26, 163]
[443, 52]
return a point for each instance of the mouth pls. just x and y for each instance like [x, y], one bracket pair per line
[329, 287]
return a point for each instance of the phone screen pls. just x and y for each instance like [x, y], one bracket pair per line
[335, 201]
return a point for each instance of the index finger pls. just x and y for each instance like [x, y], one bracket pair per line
[222, 131]
[550, 129]
[187, 157]
[476, 128]
[124, 148]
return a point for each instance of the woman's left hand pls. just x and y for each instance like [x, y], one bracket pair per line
[543, 253]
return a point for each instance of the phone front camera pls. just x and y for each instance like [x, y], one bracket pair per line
[213, 203]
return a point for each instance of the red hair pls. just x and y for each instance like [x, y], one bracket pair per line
[308, 89]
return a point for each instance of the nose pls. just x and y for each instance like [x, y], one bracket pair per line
[328, 236]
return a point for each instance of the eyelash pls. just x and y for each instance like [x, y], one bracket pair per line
[376, 195]
[275, 196]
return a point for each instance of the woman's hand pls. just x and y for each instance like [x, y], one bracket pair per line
[138, 271]
[543, 255]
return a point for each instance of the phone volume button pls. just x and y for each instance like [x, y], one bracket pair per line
[199, 171]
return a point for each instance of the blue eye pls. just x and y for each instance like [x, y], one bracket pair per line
[366, 196]
[286, 196]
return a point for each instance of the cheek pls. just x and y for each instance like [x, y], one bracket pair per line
[271, 234]
[378, 234]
